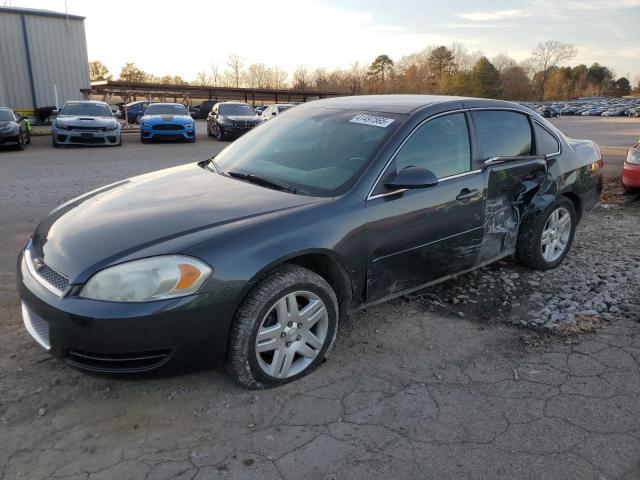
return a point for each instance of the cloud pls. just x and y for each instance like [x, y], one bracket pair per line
[483, 16]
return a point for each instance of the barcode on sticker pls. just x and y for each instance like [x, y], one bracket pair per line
[372, 120]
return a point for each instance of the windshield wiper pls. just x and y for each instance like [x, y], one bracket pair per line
[264, 181]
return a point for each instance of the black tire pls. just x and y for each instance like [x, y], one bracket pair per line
[191, 140]
[143, 140]
[241, 355]
[219, 135]
[20, 143]
[209, 133]
[528, 247]
[53, 142]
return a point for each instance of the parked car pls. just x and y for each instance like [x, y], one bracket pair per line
[273, 110]
[167, 121]
[231, 119]
[204, 108]
[85, 122]
[135, 111]
[14, 129]
[254, 256]
[631, 169]
[259, 109]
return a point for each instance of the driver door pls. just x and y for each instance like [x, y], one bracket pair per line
[421, 235]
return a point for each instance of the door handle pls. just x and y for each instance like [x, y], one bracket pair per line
[465, 195]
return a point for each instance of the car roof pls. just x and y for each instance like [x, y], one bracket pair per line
[97, 102]
[406, 104]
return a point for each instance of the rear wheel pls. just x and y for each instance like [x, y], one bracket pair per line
[283, 330]
[544, 239]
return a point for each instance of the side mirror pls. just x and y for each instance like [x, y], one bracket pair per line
[274, 113]
[55, 113]
[259, 113]
[411, 178]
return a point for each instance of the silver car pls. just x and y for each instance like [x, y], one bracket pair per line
[86, 123]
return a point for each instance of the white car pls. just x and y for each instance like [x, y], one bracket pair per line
[276, 109]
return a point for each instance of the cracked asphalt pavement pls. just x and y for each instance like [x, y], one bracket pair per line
[407, 393]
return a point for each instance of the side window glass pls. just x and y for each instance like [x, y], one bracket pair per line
[546, 143]
[440, 145]
[502, 134]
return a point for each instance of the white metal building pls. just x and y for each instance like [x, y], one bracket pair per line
[42, 53]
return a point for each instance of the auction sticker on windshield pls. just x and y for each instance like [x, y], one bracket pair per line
[372, 120]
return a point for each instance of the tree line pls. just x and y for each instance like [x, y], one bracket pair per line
[443, 70]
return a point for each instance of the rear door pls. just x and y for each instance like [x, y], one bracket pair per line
[513, 174]
[417, 236]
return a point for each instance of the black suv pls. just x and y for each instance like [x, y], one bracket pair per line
[231, 119]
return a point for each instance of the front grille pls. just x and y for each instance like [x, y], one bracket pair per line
[118, 362]
[87, 140]
[54, 278]
[81, 128]
[37, 326]
[167, 126]
[47, 276]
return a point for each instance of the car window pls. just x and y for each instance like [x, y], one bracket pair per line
[166, 109]
[546, 143]
[502, 134]
[319, 151]
[440, 145]
[88, 109]
[6, 115]
[236, 109]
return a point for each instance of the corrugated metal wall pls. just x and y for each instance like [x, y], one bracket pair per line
[14, 71]
[58, 51]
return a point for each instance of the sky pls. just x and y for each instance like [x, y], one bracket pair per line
[162, 40]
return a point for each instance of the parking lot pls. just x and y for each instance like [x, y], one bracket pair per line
[460, 381]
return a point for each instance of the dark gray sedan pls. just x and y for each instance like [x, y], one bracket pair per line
[14, 129]
[255, 256]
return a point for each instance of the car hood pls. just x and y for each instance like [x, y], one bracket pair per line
[242, 118]
[167, 118]
[85, 121]
[8, 126]
[162, 212]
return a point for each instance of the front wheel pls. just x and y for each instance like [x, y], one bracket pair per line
[544, 239]
[283, 330]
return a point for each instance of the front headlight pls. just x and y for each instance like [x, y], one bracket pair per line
[633, 156]
[154, 278]
[61, 126]
[111, 127]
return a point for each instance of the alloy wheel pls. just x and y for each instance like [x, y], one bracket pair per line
[555, 234]
[291, 334]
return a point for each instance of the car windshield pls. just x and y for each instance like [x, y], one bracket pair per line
[86, 109]
[235, 109]
[6, 115]
[166, 110]
[317, 151]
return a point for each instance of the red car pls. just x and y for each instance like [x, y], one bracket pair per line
[631, 169]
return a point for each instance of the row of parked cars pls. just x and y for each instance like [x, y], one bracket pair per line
[88, 122]
[612, 107]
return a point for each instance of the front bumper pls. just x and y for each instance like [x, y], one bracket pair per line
[9, 138]
[86, 137]
[186, 133]
[118, 337]
[234, 131]
[631, 175]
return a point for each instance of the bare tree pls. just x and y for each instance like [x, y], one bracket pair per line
[258, 75]
[301, 78]
[235, 70]
[202, 78]
[502, 61]
[277, 77]
[546, 56]
[214, 74]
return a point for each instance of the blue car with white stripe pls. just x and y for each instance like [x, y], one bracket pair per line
[167, 121]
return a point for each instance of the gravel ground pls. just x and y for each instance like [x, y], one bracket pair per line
[597, 282]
